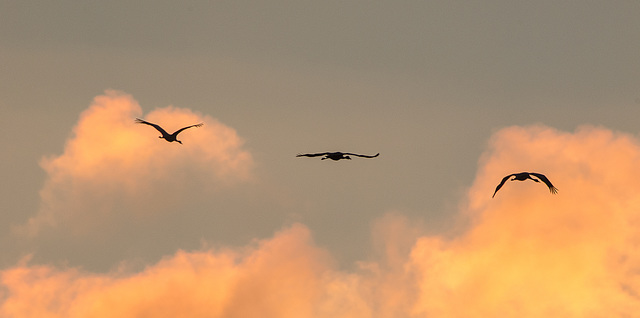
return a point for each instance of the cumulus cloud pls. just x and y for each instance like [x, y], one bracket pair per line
[111, 165]
[526, 253]
[532, 254]
[286, 276]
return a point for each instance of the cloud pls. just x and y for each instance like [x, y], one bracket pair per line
[525, 253]
[285, 276]
[111, 165]
[532, 254]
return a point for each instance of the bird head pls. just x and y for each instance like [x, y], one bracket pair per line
[347, 157]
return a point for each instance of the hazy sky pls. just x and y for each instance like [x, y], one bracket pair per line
[100, 217]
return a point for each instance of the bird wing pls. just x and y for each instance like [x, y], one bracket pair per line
[162, 131]
[363, 156]
[183, 128]
[312, 154]
[546, 181]
[501, 184]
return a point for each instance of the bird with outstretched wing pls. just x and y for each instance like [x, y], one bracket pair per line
[524, 176]
[168, 137]
[336, 155]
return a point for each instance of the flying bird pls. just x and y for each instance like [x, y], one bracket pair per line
[524, 176]
[165, 135]
[336, 155]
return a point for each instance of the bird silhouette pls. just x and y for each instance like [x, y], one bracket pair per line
[165, 135]
[524, 176]
[336, 155]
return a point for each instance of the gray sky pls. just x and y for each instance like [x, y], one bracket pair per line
[426, 84]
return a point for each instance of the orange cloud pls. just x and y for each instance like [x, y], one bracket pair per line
[526, 253]
[283, 277]
[110, 163]
[532, 254]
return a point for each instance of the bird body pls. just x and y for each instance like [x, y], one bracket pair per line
[168, 137]
[522, 176]
[336, 155]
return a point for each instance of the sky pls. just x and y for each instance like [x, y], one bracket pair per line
[100, 218]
